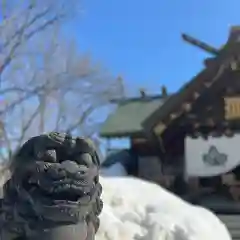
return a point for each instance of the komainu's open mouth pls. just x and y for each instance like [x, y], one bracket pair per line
[64, 190]
[60, 181]
[70, 190]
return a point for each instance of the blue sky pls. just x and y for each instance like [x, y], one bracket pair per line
[141, 40]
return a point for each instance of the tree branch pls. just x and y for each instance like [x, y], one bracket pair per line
[82, 119]
[56, 71]
[27, 125]
[22, 36]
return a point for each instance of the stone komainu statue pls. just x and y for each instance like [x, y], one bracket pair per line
[54, 192]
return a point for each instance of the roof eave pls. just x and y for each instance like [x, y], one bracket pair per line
[176, 99]
[152, 120]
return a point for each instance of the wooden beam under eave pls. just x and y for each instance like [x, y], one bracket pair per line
[160, 128]
[208, 84]
[192, 116]
[196, 95]
[196, 125]
[234, 65]
[187, 107]
[210, 122]
[173, 116]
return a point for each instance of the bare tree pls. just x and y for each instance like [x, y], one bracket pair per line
[46, 84]
[25, 19]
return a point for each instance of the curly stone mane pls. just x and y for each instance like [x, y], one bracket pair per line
[54, 182]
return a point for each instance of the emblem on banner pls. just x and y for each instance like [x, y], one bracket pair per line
[214, 158]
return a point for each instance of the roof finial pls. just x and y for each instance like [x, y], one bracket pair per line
[164, 92]
[234, 35]
[142, 92]
[200, 44]
[121, 86]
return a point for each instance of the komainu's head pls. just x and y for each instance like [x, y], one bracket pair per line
[58, 176]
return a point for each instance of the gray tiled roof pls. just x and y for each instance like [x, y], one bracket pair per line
[129, 115]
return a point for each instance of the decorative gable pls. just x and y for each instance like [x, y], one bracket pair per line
[222, 67]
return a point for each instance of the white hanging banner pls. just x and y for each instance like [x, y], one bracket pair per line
[212, 156]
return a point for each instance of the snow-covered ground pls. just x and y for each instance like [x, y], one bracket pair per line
[135, 209]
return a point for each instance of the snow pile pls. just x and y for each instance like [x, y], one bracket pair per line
[135, 209]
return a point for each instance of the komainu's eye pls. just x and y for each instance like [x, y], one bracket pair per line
[47, 156]
[85, 159]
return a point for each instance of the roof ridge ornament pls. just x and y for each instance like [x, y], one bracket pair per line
[233, 38]
[142, 92]
[234, 35]
[200, 44]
